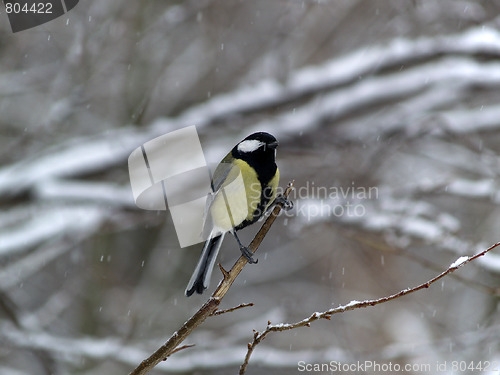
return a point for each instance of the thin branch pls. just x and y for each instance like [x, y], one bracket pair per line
[494, 291]
[178, 349]
[259, 336]
[213, 302]
[240, 306]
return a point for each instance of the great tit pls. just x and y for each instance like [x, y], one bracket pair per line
[243, 188]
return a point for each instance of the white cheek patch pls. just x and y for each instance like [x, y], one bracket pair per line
[250, 145]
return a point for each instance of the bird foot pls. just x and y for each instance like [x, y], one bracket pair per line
[287, 204]
[245, 251]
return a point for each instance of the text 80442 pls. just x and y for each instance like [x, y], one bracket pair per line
[20, 7]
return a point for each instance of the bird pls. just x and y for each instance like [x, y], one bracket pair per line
[243, 188]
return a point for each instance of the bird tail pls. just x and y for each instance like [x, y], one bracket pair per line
[201, 276]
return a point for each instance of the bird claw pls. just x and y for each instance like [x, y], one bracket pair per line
[287, 204]
[248, 255]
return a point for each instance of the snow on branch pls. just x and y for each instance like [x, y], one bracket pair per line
[350, 100]
[405, 218]
[483, 188]
[343, 70]
[47, 224]
[77, 157]
[84, 191]
[480, 40]
[84, 155]
[353, 305]
[71, 350]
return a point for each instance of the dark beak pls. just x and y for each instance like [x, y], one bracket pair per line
[273, 145]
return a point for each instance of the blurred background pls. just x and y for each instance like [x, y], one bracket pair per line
[388, 120]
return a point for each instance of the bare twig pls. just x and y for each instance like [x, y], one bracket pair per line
[259, 336]
[241, 306]
[494, 291]
[213, 302]
[178, 349]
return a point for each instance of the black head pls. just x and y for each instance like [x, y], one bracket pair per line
[259, 151]
[257, 143]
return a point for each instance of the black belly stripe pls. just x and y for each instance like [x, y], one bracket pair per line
[261, 208]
